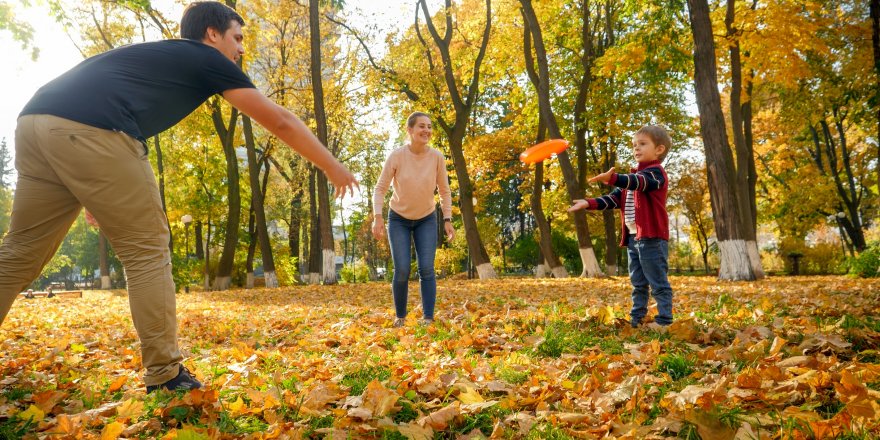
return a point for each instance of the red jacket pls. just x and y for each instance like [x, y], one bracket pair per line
[650, 183]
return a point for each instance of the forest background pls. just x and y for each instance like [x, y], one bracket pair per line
[779, 99]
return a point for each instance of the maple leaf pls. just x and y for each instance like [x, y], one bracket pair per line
[130, 409]
[414, 431]
[441, 418]
[112, 430]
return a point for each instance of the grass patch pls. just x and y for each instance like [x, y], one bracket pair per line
[513, 376]
[241, 425]
[357, 381]
[15, 394]
[14, 429]
[689, 432]
[546, 431]
[676, 366]
[484, 421]
[407, 413]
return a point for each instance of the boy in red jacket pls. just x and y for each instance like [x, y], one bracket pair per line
[642, 198]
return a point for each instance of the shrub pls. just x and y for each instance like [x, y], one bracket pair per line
[867, 263]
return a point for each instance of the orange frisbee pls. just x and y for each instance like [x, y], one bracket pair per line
[543, 150]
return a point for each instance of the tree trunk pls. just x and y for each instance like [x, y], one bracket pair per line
[875, 44]
[735, 263]
[160, 165]
[544, 236]
[200, 251]
[102, 258]
[208, 253]
[455, 132]
[252, 249]
[293, 241]
[325, 219]
[315, 257]
[257, 197]
[745, 157]
[541, 80]
[233, 192]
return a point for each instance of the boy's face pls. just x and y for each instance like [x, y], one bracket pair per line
[644, 149]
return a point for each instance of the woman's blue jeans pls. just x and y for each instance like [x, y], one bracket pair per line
[402, 232]
[648, 265]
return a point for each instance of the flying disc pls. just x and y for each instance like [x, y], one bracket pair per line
[543, 150]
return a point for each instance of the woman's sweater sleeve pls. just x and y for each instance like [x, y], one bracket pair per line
[443, 187]
[382, 185]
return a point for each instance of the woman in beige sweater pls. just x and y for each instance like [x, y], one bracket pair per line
[415, 171]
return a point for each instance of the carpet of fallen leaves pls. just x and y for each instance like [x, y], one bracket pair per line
[511, 358]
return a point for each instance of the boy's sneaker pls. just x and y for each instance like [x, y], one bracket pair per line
[399, 322]
[426, 322]
[184, 381]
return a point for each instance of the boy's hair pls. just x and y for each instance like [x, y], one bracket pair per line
[658, 136]
[199, 16]
[411, 120]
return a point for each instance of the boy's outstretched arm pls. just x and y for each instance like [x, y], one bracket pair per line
[608, 201]
[293, 132]
[646, 180]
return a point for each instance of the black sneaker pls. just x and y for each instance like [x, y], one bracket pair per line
[184, 381]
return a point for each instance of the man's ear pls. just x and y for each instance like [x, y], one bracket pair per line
[211, 35]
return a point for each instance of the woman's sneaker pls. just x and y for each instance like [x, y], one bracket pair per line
[184, 381]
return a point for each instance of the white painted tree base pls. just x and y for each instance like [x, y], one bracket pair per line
[541, 271]
[486, 271]
[271, 279]
[591, 264]
[735, 262]
[755, 259]
[105, 283]
[249, 284]
[313, 278]
[559, 272]
[207, 284]
[329, 266]
[611, 269]
[222, 283]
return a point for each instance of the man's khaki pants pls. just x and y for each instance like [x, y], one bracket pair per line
[64, 165]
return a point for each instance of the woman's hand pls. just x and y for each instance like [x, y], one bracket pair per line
[450, 231]
[378, 228]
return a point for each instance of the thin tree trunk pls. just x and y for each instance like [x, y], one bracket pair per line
[233, 193]
[745, 157]
[252, 249]
[315, 257]
[545, 237]
[875, 44]
[200, 252]
[257, 197]
[541, 80]
[160, 165]
[735, 261]
[325, 219]
[102, 258]
[463, 106]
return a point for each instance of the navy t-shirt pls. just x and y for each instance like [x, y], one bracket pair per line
[141, 89]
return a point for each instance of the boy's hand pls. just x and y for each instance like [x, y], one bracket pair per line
[604, 177]
[578, 205]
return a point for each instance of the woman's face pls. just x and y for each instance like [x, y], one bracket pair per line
[420, 132]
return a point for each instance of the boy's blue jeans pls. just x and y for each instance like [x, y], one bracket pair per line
[648, 265]
[401, 233]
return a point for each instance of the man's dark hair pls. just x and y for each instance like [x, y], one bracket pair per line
[199, 16]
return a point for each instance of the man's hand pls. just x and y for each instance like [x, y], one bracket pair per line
[604, 177]
[578, 205]
[343, 180]
[378, 228]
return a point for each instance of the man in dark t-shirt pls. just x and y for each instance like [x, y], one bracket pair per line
[81, 141]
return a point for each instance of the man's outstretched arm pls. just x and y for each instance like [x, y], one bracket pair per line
[293, 132]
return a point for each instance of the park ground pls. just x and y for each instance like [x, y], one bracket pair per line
[784, 357]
